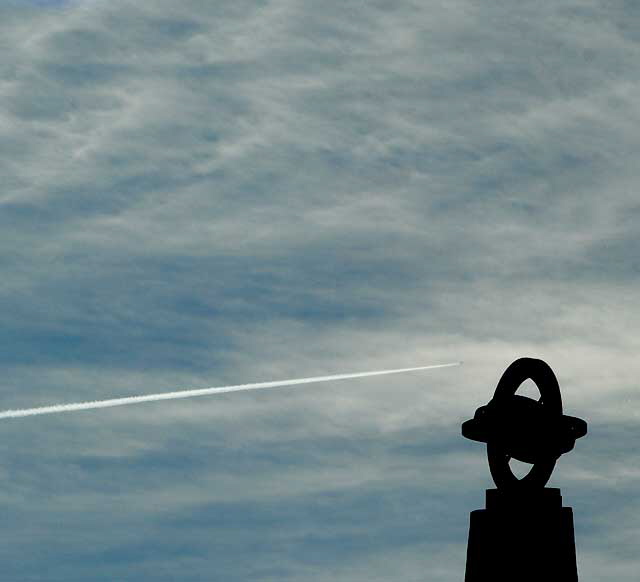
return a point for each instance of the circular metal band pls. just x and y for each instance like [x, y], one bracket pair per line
[546, 381]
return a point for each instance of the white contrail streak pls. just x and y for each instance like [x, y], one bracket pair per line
[72, 407]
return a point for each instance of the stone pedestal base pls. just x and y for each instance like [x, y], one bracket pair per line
[522, 537]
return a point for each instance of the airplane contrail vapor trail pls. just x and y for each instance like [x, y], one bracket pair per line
[75, 406]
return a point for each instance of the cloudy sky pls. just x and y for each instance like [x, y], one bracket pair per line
[200, 193]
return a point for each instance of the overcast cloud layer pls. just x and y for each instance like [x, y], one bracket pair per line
[205, 193]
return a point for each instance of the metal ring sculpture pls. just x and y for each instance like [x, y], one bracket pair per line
[518, 427]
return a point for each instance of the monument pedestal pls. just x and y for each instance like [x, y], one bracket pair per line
[522, 536]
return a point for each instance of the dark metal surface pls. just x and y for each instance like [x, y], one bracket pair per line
[521, 428]
[524, 533]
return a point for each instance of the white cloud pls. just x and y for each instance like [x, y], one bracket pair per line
[223, 192]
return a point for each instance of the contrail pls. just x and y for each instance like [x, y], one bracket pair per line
[72, 407]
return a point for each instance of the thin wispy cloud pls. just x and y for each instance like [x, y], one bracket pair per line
[180, 394]
[200, 193]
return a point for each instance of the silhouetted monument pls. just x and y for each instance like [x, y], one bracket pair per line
[524, 534]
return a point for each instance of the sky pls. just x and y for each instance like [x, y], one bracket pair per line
[203, 193]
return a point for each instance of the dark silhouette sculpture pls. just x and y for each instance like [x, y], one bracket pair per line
[524, 534]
